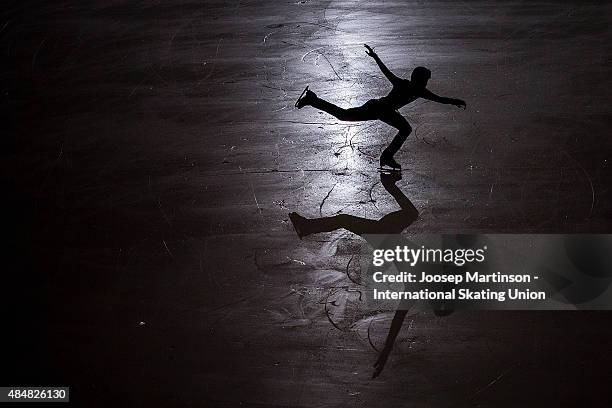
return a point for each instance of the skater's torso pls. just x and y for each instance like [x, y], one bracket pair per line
[403, 93]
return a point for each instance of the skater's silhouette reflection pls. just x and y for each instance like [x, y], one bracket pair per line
[393, 223]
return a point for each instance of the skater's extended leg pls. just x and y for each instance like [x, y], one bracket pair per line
[395, 119]
[364, 112]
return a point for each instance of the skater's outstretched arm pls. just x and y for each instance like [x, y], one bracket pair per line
[396, 325]
[390, 75]
[427, 94]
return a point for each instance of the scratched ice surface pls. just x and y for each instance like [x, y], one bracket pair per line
[158, 155]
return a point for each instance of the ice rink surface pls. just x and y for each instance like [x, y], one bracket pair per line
[153, 155]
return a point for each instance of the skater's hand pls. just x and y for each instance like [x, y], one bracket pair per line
[460, 103]
[382, 360]
[369, 51]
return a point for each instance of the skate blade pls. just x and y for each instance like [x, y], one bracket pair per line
[389, 170]
[301, 95]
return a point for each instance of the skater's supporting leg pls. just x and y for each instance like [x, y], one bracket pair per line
[396, 120]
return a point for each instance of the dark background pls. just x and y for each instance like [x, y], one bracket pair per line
[151, 154]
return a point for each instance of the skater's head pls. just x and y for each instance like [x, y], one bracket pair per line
[420, 76]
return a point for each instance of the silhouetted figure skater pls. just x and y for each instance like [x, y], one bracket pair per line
[393, 223]
[386, 108]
